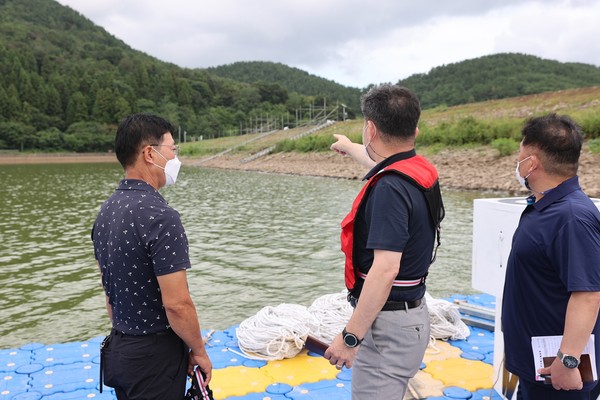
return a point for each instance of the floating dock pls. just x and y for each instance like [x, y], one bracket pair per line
[454, 369]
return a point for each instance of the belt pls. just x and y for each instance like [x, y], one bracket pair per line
[161, 333]
[391, 305]
[401, 305]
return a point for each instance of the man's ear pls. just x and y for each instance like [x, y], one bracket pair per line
[417, 132]
[148, 154]
[535, 162]
[371, 130]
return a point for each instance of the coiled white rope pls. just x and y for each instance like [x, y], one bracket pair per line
[275, 333]
[445, 320]
[333, 312]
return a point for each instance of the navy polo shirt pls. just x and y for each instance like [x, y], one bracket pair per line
[555, 251]
[137, 236]
[395, 217]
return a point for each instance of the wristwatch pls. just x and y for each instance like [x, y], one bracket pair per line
[567, 360]
[350, 339]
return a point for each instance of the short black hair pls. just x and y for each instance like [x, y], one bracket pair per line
[560, 140]
[395, 110]
[136, 131]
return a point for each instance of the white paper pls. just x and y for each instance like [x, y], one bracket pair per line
[547, 346]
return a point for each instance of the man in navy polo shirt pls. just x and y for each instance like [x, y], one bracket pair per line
[142, 251]
[552, 282]
[388, 239]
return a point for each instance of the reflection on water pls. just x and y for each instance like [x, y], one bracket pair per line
[255, 240]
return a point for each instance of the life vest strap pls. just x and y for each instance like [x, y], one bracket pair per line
[402, 283]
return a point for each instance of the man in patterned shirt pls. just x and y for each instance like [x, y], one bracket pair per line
[142, 251]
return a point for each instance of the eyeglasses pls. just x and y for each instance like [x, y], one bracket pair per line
[174, 147]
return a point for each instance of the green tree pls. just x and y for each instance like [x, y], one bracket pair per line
[13, 103]
[184, 93]
[141, 79]
[272, 93]
[103, 110]
[4, 104]
[49, 139]
[122, 108]
[17, 135]
[77, 110]
[52, 100]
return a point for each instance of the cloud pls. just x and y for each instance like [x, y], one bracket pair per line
[351, 42]
[564, 33]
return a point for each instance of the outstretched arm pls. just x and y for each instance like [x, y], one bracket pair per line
[357, 151]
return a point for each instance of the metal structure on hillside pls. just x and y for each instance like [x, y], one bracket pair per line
[268, 150]
[303, 116]
[320, 117]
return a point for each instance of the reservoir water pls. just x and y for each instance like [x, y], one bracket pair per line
[255, 240]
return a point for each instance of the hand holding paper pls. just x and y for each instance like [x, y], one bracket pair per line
[544, 353]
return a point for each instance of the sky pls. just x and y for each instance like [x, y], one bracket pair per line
[352, 42]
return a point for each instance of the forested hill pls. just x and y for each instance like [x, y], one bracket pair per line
[293, 79]
[498, 76]
[491, 77]
[65, 83]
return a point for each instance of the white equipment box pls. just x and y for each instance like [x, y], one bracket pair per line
[494, 222]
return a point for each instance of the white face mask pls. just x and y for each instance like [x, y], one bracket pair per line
[522, 181]
[171, 169]
[367, 145]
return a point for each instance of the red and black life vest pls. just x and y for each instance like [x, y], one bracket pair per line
[419, 172]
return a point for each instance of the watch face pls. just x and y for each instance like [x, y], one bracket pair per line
[350, 340]
[570, 362]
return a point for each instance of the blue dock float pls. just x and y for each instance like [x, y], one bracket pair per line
[460, 369]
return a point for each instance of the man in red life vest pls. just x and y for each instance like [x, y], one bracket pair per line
[388, 239]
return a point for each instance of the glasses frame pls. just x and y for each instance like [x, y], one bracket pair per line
[174, 147]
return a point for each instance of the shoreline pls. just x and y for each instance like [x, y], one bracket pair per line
[58, 158]
[476, 169]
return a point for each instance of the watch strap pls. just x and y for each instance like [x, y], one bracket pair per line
[568, 360]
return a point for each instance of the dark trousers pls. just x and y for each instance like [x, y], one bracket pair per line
[595, 393]
[146, 367]
[537, 391]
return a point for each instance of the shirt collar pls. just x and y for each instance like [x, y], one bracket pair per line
[390, 160]
[568, 186]
[140, 185]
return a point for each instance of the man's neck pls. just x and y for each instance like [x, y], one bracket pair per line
[385, 151]
[546, 184]
[143, 175]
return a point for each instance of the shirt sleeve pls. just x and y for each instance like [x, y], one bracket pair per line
[577, 250]
[168, 244]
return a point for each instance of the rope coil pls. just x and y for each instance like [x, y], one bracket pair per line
[275, 333]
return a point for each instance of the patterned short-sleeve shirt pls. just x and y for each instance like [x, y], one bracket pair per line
[137, 236]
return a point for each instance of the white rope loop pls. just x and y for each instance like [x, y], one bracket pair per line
[275, 333]
[445, 320]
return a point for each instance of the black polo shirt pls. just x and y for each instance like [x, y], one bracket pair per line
[395, 217]
[137, 236]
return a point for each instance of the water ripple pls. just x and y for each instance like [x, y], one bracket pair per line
[255, 240]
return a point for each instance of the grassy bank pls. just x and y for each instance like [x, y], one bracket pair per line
[495, 123]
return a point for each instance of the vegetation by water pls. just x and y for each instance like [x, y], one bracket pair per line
[495, 123]
[65, 83]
